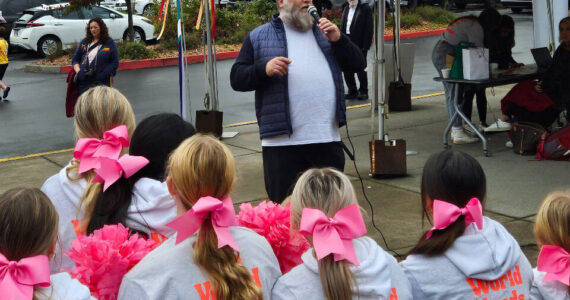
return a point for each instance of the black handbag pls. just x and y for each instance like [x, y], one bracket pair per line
[526, 136]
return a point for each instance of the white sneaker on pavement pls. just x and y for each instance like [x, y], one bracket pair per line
[509, 144]
[498, 126]
[458, 136]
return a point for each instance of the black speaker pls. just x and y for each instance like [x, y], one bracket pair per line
[400, 96]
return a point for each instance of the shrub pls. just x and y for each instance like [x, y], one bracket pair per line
[410, 20]
[132, 50]
[435, 14]
[62, 52]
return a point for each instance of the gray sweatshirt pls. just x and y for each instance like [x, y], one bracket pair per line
[464, 30]
[481, 264]
[169, 271]
[378, 276]
[547, 290]
[151, 209]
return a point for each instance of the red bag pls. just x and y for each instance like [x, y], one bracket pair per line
[71, 95]
[524, 95]
[556, 145]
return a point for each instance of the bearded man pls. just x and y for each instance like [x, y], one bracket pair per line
[294, 64]
[356, 22]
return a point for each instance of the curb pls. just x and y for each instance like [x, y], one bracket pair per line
[195, 58]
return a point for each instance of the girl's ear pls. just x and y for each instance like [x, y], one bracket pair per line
[51, 250]
[429, 204]
[171, 187]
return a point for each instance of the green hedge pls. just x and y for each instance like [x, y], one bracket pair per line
[133, 50]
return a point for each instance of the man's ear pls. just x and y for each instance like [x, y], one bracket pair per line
[280, 3]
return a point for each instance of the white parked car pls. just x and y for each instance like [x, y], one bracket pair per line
[45, 28]
[141, 7]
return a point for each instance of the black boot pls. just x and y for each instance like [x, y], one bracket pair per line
[352, 95]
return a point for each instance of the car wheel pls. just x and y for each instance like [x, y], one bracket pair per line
[48, 45]
[139, 35]
[148, 11]
[516, 10]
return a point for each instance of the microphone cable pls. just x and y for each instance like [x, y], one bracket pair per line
[352, 157]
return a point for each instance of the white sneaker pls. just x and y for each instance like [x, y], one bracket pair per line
[498, 126]
[509, 144]
[458, 136]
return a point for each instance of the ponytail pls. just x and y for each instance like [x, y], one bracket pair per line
[230, 279]
[337, 279]
[440, 240]
[111, 206]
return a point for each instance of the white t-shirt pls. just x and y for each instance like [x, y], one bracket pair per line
[351, 11]
[312, 98]
[63, 287]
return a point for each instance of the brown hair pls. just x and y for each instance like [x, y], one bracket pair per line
[453, 177]
[329, 191]
[103, 33]
[203, 166]
[552, 226]
[567, 21]
[28, 223]
[99, 109]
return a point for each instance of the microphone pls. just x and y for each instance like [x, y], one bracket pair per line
[313, 12]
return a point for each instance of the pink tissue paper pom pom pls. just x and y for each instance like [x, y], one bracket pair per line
[272, 221]
[105, 256]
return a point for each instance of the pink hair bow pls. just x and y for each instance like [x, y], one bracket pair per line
[89, 151]
[555, 261]
[334, 235]
[17, 279]
[222, 215]
[102, 156]
[445, 213]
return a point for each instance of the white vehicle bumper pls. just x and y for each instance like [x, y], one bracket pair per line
[21, 37]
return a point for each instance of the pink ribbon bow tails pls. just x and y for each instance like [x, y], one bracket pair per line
[17, 279]
[222, 215]
[555, 261]
[445, 213]
[110, 170]
[89, 150]
[334, 235]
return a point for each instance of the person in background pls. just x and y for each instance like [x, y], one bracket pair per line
[3, 61]
[552, 231]
[469, 29]
[325, 198]
[356, 22]
[463, 252]
[98, 110]
[540, 101]
[96, 59]
[209, 257]
[28, 235]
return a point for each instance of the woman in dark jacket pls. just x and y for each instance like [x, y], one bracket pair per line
[96, 59]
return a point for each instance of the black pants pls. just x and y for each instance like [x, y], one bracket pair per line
[520, 114]
[362, 78]
[468, 94]
[283, 165]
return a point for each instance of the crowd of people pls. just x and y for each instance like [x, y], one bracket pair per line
[162, 179]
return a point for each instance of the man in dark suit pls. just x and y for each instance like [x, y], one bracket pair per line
[356, 22]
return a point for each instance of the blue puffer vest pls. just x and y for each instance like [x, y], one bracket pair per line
[272, 100]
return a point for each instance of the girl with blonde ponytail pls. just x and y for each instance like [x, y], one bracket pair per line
[209, 257]
[98, 110]
[344, 262]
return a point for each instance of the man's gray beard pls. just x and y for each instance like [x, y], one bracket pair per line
[295, 17]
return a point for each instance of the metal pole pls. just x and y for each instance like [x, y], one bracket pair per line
[210, 62]
[397, 17]
[379, 65]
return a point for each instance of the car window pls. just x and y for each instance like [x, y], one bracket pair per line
[65, 15]
[101, 12]
[25, 17]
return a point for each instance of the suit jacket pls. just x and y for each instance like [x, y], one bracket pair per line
[361, 27]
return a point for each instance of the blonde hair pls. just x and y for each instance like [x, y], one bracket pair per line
[327, 190]
[99, 109]
[203, 166]
[552, 226]
[28, 224]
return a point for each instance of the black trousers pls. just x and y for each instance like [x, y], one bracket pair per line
[520, 114]
[481, 97]
[284, 164]
[362, 78]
